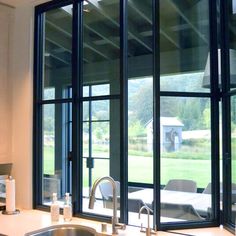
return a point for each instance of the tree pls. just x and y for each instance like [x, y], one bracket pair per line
[207, 118]
[136, 129]
[142, 103]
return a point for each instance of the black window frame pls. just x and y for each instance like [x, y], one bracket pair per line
[227, 94]
[77, 101]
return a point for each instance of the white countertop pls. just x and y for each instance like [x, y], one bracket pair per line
[30, 220]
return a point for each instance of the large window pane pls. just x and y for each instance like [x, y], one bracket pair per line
[101, 145]
[233, 155]
[57, 53]
[140, 109]
[101, 206]
[100, 139]
[100, 110]
[184, 46]
[232, 41]
[231, 195]
[99, 90]
[101, 77]
[86, 139]
[140, 132]
[101, 47]
[185, 140]
[96, 133]
[185, 117]
[56, 146]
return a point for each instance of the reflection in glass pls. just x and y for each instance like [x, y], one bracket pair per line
[55, 149]
[49, 93]
[185, 140]
[85, 91]
[185, 122]
[100, 90]
[101, 144]
[233, 157]
[86, 106]
[184, 45]
[57, 53]
[100, 110]
[96, 90]
[140, 108]
[100, 139]
[101, 48]
[102, 206]
[186, 82]
[85, 139]
[140, 133]
[140, 146]
[48, 139]
[232, 86]
[101, 168]
[101, 77]
[232, 47]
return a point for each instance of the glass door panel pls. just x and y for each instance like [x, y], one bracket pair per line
[140, 110]
[55, 151]
[233, 160]
[185, 122]
[101, 108]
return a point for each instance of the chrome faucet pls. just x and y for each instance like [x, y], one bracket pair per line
[115, 223]
[148, 230]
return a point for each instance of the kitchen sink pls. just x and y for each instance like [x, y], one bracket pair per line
[64, 230]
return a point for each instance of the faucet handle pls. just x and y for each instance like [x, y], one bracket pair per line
[104, 227]
[154, 231]
[120, 226]
[142, 229]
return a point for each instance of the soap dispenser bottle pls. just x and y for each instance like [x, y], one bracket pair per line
[55, 209]
[67, 209]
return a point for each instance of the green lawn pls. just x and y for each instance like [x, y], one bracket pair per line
[141, 170]
[48, 160]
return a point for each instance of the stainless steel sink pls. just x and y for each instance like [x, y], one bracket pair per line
[64, 230]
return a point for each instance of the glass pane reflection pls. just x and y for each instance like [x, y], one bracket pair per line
[56, 147]
[101, 77]
[185, 159]
[233, 157]
[184, 46]
[57, 53]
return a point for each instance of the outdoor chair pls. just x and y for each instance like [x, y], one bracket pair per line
[207, 190]
[132, 189]
[182, 185]
[134, 205]
[106, 192]
[180, 211]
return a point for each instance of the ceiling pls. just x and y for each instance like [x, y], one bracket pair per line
[183, 35]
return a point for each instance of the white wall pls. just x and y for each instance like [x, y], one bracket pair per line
[21, 54]
[5, 86]
[21, 74]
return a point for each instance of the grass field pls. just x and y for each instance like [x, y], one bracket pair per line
[141, 167]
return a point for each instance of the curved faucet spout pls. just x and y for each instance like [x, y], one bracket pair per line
[115, 224]
[148, 230]
[93, 190]
[148, 212]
